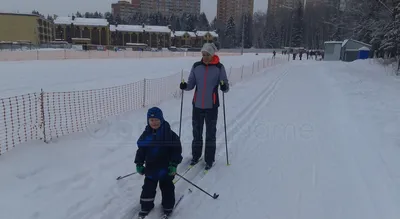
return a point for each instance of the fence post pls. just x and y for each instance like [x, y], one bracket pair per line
[241, 76]
[252, 71]
[144, 92]
[43, 124]
[37, 54]
[230, 72]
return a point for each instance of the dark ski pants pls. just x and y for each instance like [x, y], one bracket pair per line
[148, 195]
[210, 117]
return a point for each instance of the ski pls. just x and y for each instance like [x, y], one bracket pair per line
[143, 216]
[205, 171]
[187, 170]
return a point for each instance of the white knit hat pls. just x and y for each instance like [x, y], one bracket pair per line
[210, 48]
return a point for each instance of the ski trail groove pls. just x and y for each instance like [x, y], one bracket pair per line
[242, 120]
[250, 113]
[314, 175]
[247, 116]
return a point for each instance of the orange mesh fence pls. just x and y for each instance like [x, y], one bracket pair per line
[20, 120]
[48, 115]
[69, 112]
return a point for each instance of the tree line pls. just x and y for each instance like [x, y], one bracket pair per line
[376, 22]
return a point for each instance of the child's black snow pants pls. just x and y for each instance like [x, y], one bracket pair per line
[148, 195]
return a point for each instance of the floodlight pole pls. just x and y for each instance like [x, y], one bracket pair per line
[242, 29]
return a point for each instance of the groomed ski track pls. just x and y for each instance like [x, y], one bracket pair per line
[306, 140]
[301, 149]
[239, 117]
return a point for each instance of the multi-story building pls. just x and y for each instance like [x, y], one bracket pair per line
[169, 7]
[29, 28]
[125, 9]
[136, 3]
[275, 5]
[233, 8]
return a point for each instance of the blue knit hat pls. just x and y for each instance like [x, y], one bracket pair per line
[155, 112]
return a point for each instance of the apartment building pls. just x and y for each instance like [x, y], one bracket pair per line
[233, 8]
[169, 7]
[275, 5]
[125, 9]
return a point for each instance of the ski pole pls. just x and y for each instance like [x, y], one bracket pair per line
[180, 120]
[215, 196]
[226, 138]
[121, 177]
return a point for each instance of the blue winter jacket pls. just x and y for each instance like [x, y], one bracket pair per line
[157, 149]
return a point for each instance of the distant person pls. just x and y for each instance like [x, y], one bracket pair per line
[206, 76]
[157, 157]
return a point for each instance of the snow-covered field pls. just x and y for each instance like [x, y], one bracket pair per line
[67, 75]
[306, 140]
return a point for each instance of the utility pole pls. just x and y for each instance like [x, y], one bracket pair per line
[242, 27]
[290, 26]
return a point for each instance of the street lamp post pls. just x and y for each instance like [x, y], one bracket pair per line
[290, 27]
[242, 27]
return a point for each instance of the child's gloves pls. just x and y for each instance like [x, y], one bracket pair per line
[172, 169]
[140, 169]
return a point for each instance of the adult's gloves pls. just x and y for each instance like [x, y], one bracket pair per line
[183, 85]
[223, 86]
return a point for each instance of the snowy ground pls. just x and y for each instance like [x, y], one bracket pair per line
[66, 75]
[306, 140]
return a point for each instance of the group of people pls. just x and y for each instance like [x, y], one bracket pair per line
[159, 148]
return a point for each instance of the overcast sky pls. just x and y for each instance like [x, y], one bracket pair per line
[66, 7]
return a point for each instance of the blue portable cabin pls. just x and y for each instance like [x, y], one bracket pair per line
[350, 50]
[363, 53]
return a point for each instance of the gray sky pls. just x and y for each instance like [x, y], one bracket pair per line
[66, 7]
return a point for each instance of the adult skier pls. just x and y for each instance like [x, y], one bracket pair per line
[158, 155]
[206, 76]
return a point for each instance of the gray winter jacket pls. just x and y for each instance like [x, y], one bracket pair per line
[206, 79]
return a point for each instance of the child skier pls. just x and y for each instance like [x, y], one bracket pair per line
[158, 155]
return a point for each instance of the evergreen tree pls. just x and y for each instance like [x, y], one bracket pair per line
[298, 26]
[188, 22]
[213, 24]
[230, 34]
[203, 23]
[178, 26]
[109, 17]
[78, 14]
[248, 31]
